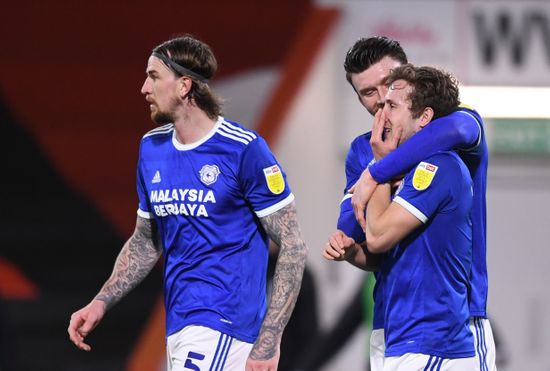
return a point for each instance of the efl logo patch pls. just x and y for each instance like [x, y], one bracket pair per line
[275, 180]
[423, 176]
[209, 174]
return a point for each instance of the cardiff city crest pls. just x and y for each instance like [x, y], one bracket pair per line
[209, 174]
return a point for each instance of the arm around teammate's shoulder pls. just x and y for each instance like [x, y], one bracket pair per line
[458, 130]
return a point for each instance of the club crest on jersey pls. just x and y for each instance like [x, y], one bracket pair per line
[209, 174]
[275, 181]
[423, 176]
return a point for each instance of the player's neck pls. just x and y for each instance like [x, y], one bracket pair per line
[192, 125]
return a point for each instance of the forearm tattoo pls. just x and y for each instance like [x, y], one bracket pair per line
[283, 229]
[136, 259]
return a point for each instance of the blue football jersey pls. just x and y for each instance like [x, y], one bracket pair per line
[477, 161]
[358, 159]
[443, 134]
[207, 198]
[426, 276]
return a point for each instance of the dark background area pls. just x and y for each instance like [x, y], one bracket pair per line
[71, 116]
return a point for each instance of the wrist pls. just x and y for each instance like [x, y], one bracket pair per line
[351, 253]
[372, 168]
[103, 302]
[368, 178]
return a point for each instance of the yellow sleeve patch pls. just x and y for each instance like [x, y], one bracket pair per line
[275, 181]
[423, 176]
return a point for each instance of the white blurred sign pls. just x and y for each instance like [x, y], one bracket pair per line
[482, 42]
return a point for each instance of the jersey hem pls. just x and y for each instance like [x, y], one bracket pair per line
[429, 352]
[213, 326]
[482, 314]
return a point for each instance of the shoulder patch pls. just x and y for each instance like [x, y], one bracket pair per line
[423, 175]
[274, 179]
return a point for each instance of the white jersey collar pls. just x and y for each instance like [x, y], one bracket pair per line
[190, 146]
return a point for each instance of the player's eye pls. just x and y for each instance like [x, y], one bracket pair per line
[367, 92]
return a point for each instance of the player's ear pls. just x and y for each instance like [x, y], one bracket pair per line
[426, 116]
[184, 86]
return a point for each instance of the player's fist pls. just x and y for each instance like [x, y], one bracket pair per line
[339, 247]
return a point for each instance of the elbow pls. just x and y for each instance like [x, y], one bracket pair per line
[295, 252]
[376, 244]
[467, 131]
[465, 136]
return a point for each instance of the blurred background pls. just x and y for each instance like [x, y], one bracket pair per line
[72, 116]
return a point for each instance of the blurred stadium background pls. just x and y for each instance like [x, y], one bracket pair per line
[72, 116]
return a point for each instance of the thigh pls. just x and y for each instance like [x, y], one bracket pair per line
[200, 348]
[424, 362]
[484, 344]
[377, 349]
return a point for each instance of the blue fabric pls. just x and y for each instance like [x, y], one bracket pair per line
[359, 157]
[455, 131]
[426, 276]
[463, 131]
[206, 199]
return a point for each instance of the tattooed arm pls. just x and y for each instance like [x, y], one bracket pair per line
[136, 259]
[283, 229]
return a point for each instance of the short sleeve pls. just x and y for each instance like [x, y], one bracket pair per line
[358, 158]
[347, 222]
[263, 180]
[429, 187]
[144, 206]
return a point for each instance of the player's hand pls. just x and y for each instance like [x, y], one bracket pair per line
[263, 364]
[362, 191]
[84, 321]
[384, 137]
[395, 183]
[339, 247]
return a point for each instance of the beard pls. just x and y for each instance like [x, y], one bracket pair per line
[160, 117]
